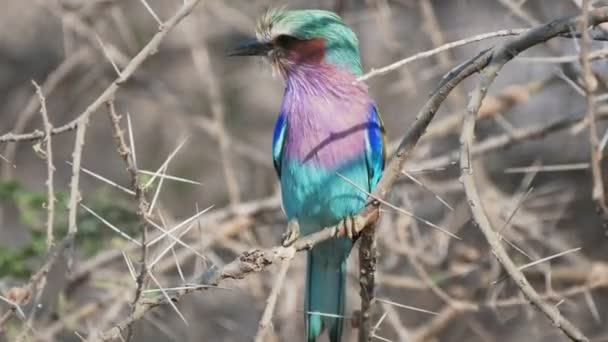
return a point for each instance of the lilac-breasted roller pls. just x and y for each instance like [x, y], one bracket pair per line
[328, 128]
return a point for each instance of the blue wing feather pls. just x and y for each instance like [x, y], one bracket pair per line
[376, 147]
[278, 140]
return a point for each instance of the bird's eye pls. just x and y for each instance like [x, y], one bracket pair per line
[286, 41]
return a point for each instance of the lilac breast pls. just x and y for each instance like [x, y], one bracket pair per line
[327, 120]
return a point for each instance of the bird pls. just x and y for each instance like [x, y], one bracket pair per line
[328, 146]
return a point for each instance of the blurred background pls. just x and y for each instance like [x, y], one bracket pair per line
[212, 117]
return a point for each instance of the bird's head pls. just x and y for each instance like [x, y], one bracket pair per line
[291, 39]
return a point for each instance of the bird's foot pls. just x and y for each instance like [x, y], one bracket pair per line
[349, 224]
[291, 234]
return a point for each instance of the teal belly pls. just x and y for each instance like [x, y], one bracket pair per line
[318, 198]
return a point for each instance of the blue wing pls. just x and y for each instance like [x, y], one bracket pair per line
[375, 153]
[278, 140]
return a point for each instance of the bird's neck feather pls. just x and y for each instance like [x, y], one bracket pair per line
[323, 80]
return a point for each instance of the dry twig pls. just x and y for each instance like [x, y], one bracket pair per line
[265, 326]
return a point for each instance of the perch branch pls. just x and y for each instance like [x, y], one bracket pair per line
[367, 281]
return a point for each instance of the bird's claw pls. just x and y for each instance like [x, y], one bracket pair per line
[291, 234]
[350, 226]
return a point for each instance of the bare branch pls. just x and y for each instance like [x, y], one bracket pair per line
[425, 54]
[265, 326]
[50, 183]
[75, 184]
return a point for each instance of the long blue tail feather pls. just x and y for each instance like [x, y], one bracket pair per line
[325, 293]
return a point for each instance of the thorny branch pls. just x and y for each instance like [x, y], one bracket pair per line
[142, 204]
[498, 57]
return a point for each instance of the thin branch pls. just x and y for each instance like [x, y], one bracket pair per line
[74, 185]
[265, 326]
[429, 53]
[50, 198]
[548, 168]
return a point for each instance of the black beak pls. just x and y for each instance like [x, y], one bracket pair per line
[251, 47]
